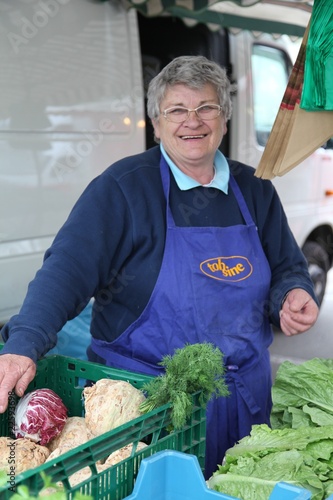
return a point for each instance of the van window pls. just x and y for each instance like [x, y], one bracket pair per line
[270, 74]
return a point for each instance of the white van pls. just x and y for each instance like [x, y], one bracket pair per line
[72, 101]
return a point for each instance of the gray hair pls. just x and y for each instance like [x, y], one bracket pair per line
[194, 72]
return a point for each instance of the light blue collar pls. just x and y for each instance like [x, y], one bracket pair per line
[185, 182]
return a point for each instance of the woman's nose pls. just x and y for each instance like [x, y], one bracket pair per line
[192, 117]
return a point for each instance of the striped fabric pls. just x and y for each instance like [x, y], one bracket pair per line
[275, 16]
[304, 121]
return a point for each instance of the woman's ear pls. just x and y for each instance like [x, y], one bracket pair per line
[156, 126]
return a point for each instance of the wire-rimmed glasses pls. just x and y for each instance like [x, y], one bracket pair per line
[179, 114]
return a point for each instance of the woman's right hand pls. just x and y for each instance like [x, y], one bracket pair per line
[16, 372]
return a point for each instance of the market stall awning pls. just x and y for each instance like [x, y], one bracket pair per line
[292, 138]
[274, 16]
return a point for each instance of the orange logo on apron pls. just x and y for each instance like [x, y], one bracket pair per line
[233, 268]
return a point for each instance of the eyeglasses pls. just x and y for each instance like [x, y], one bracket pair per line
[178, 114]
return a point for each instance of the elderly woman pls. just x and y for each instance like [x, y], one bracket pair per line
[176, 245]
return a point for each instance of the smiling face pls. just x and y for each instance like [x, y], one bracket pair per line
[192, 144]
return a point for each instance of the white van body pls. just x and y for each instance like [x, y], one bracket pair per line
[72, 101]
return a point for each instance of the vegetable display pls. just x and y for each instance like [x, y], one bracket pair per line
[114, 458]
[74, 433]
[259, 461]
[22, 454]
[110, 403]
[193, 368]
[40, 415]
[303, 394]
[298, 449]
[50, 490]
[43, 431]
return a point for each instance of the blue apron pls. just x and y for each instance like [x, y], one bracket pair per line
[213, 286]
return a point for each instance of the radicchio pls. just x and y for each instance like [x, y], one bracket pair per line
[40, 416]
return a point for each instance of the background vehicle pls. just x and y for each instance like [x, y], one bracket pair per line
[315, 343]
[72, 101]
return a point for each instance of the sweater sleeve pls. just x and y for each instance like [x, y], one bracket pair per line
[78, 263]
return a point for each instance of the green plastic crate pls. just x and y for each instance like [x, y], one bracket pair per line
[67, 377]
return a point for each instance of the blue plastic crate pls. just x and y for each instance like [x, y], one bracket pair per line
[286, 491]
[172, 475]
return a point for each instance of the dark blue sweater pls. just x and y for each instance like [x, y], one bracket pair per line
[111, 248]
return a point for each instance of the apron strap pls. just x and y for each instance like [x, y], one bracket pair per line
[165, 175]
[241, 202]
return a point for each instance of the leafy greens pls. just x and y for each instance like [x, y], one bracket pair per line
[297, 449]
[266, 457]
[303, 394]
[192, 368]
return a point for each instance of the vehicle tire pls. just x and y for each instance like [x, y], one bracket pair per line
[319, 265]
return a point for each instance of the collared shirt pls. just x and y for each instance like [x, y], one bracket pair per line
[185, 182]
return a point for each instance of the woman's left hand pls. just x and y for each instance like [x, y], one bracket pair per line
[299, 312]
